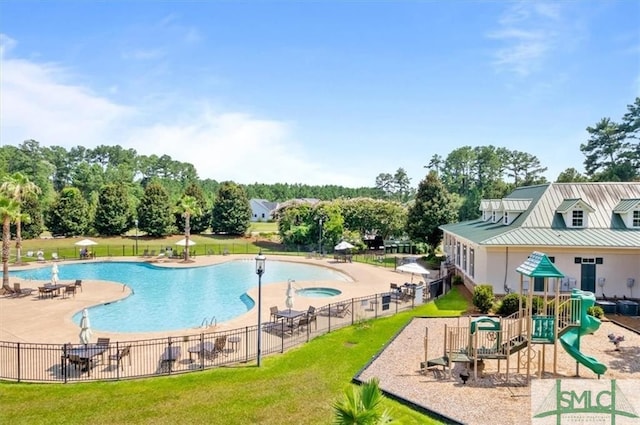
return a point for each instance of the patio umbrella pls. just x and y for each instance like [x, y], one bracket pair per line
[54, 274]
[343, 245]
[289, 301]
[183, 242]
[85, 328]
[86, 242]
[413, 268]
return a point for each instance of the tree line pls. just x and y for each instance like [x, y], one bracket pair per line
[109, 190]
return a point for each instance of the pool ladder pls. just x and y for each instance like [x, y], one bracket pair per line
[205, 323]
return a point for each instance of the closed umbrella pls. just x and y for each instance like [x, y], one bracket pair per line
[289, 301]
[54, 274]
[85, 328]
[413, 268]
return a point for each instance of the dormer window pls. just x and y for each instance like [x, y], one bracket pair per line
[629, 211]
[494, 216]
[577, 219]
[575, 213]
[506, 218]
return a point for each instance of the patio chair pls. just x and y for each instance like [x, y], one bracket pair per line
[274, 313]
[21, 292]
[78, 284]
[69, 290]
[340, 310]
[218, 346]
[103, 342]
[312, 316]
[119, 356]
[29, 254]
[299, 324]
[54, 256]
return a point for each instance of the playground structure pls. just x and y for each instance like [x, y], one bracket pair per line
[550, 318]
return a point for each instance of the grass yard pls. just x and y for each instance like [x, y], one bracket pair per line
[297, 387]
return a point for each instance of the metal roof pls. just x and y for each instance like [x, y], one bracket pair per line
[570, 204]
[515, 205]
[626, 205]
[541, 225]
[539, 265]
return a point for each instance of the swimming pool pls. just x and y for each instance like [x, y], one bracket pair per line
[168, 298]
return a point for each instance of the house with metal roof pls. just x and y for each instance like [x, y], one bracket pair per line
[262, 210]
[591, 231]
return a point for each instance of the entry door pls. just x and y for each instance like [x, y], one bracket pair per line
[588, 278]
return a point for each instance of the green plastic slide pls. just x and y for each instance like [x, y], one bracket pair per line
[588, 324]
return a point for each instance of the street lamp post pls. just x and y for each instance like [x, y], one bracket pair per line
[320, 237]
[136, 223]
[260, 266]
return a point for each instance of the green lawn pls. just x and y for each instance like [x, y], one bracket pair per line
[297, 387]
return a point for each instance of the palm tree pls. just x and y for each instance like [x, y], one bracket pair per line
[9, 211]
[188, 207]
[362, 406]
[19, 187]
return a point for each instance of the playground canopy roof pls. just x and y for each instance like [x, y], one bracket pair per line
[539, 265]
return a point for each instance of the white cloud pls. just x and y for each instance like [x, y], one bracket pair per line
[527, 32]
[38, 103]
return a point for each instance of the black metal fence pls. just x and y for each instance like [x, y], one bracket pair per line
[62, 363]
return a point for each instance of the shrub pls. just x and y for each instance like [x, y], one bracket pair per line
[457, 280]
[483, 298]
[509, 304]
[595, 311]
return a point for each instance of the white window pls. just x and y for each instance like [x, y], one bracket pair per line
[636, 218]
[493, 216]
[506, 217]
[577, 218]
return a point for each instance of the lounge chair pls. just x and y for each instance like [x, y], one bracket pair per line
[21, 292]
[29, 254]
[8, 291]
[119, 356]
[54, 256]
[340, 310]
[40, 257]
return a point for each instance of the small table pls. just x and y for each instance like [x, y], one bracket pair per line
[289, 314]
[233, 341]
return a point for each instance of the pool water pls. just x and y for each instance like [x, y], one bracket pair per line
[318, 292]
[167, 298]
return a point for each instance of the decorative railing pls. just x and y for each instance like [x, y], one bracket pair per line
[64, 362]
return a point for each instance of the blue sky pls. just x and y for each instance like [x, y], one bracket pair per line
[317, 92]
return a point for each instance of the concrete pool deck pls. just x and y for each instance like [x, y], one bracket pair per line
[49, 320]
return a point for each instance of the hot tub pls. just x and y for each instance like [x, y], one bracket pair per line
[318, 292]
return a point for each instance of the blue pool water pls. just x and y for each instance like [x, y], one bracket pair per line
[177, 298]
[318, 292]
